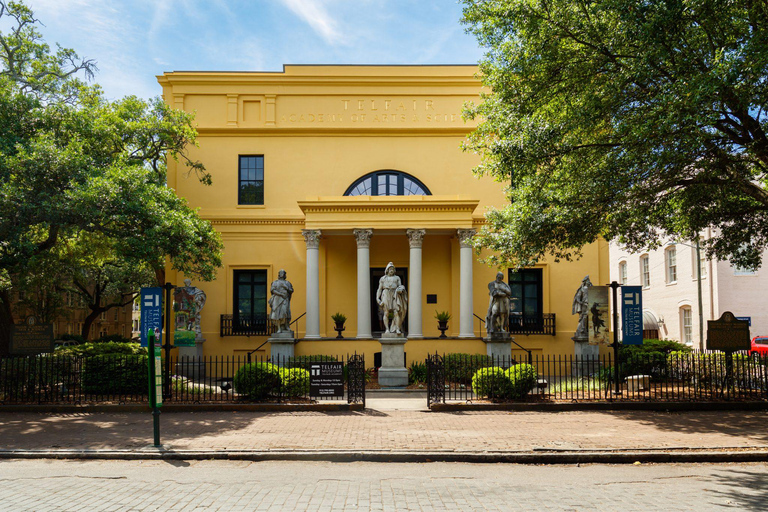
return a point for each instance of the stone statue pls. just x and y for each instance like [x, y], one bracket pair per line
[498, 305]
[189, 301]
[392, 298]
[581, 307]
[280, 302]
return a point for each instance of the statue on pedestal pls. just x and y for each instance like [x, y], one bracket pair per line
[498, 305]
[280, 302]
[581, 307]
[392, 298]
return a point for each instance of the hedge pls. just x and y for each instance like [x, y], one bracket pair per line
[258, 381]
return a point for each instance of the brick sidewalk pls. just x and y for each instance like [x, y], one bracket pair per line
[388, 430]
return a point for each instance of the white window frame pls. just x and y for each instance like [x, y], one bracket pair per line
[670, 264]
[645, 271]
[623, 272]
[686, 325]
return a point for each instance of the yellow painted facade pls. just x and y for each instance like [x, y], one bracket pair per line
[319, 129]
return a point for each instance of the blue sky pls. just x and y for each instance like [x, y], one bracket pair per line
[135, 40]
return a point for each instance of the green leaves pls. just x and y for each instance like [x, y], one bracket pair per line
[623, 119]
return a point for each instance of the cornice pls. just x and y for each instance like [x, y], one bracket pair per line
[461, 131]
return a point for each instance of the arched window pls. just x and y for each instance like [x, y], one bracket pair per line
[387, 183]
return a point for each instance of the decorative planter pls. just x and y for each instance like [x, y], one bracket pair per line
[442, 325]
[339, 328]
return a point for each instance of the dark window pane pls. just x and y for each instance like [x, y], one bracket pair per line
[251, 183]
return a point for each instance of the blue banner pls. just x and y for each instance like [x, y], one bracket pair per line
[151, 314]
[632, 315]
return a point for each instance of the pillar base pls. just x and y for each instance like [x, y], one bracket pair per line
[586, 358]
[281, 347]
[393, 373]
[190, 363]
[499, 346]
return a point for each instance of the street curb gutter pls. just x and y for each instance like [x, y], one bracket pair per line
[560, 457]
[603, 406]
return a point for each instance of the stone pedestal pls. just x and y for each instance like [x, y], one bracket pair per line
[190, 363]
[393, 372]
[281, 347]
[498, 345]
[586, 358]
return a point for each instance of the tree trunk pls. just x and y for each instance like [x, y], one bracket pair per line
[89, 320]
[6, 321]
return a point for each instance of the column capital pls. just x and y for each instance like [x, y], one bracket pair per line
[415, 237]
[465, 236]
[311, 237]
[363, 237]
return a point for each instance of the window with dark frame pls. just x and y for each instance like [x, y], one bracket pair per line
[387, 183]
[250, 300]
[251, 180]
[526, 302]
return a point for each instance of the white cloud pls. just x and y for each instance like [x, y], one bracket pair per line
[318, 18]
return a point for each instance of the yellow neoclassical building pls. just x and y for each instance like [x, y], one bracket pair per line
[331, 172]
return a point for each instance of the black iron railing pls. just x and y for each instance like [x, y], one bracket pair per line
[245, 326]
[532, 324]
[51, 379]
[693, 376]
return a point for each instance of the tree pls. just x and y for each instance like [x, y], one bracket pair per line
[625, 119]
[75, 168]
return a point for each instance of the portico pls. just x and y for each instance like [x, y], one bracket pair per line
[414, 218]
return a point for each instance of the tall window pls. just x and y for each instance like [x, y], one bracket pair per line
[623, 272]
[670, 255]
[251, 180]
[387, 183]
[526, 300]
[645, 271]
[250, 299]
[687, 325]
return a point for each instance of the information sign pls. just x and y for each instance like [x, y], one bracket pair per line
[728, 334]
[747, 319]
[155, 362]
[326, 379]
[598, 315]
[151, 314]
[632, 315]
[31, 338]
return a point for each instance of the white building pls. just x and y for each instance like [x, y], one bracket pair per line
[670, 290]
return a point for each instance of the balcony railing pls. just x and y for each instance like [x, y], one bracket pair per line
[532, 324]
[245, 326]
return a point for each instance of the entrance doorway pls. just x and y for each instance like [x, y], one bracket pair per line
[377, 318]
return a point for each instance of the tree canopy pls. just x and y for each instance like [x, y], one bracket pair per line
[632, 120]
[83, 179]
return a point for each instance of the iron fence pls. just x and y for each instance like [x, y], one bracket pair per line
[52, 379]
[694, 376]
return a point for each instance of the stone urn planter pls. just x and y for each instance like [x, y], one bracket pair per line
[339, 320]
[442, 322]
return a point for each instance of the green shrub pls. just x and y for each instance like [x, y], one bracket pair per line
[115, 375]
[113, 338]
[102, 349]
[522, 378]
[257, 381]
[492, 383]
[417, 373]
[461, 368]
[295, 382]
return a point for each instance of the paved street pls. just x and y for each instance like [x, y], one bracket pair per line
[41, 486]
[382, 428]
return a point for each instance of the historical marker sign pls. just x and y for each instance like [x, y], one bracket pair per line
[632, 315]
[31, 338]
[326, 379]
[151, 313]
[728, 333]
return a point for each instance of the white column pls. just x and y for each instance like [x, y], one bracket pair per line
[363, 237]
[415, 239]
[312, 238]
[465, 283]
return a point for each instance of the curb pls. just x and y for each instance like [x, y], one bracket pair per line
[528, 457]
[171, 408]
[603, 406]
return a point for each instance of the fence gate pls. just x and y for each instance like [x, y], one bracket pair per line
[435, 380]
[356, 379]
